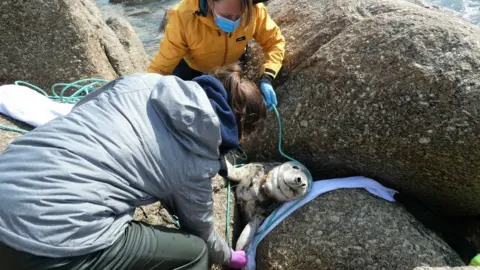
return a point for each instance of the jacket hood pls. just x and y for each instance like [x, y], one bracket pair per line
[219, 99]
[187, 113]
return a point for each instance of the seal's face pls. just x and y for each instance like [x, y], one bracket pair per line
[287, 182]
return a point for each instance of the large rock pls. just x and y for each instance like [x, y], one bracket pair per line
[45, 42]
[351, 229]
[448, 268]
[154, 214]
[6, 136]
[131, 43]
[385, 89]
[134, 2]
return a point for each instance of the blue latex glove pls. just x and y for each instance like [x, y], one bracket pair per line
[269, 95]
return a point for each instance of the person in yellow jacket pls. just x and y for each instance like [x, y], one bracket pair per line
[201, 35]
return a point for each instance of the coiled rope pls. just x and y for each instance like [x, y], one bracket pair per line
[81, 88]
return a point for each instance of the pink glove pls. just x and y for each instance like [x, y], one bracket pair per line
[239, 259]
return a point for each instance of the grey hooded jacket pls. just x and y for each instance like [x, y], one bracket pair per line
[69, 187]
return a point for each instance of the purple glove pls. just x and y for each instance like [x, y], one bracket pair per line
[239, 259]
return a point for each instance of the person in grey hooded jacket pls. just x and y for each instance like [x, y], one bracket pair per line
[69, 188]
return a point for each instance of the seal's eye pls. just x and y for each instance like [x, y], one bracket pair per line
[298, 180]
[295, 167]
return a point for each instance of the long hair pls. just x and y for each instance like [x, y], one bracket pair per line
[246, 99]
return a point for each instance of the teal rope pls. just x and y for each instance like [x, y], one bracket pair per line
[75, 97]
[280, 139]
[227, 235]
[227, 221]
[310, 178]
[82, 90]
[275, 212]
[280, 136]
[13, 129]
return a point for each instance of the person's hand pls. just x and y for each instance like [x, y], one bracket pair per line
[239, 259]
[269, 95]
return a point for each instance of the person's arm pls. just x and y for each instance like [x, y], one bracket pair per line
[172, 47]
[194, 209]
[268, 35]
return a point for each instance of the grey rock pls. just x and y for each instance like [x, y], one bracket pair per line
[390, 89]
[131, 43]
[134, 2]
[138, 12]
[472, 232]
[154, 214]
[220, 208]
[366, 233]
[447, 268]
[46, 42]
[220, 211]
[7, 137]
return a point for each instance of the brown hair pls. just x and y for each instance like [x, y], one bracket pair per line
[245, 5]
[246, 99]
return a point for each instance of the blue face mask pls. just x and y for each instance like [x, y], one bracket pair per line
[225, 24]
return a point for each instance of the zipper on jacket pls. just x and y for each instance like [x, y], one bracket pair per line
[226, 49]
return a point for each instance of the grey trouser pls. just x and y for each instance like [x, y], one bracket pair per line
[142, 246]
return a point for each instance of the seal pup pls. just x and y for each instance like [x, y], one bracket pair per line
[261, 188]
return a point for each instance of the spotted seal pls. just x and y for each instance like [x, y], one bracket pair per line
[261, 188]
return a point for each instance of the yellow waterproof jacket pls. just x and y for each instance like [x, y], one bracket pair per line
[202, 44]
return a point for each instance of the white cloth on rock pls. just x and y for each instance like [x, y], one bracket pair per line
[27, 105]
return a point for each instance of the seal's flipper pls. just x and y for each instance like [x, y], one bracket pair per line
[247, 172]
[237, 174]
[249, 232]
[234, 174]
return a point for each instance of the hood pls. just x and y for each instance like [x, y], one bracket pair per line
[219, 99]
[187, 113]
